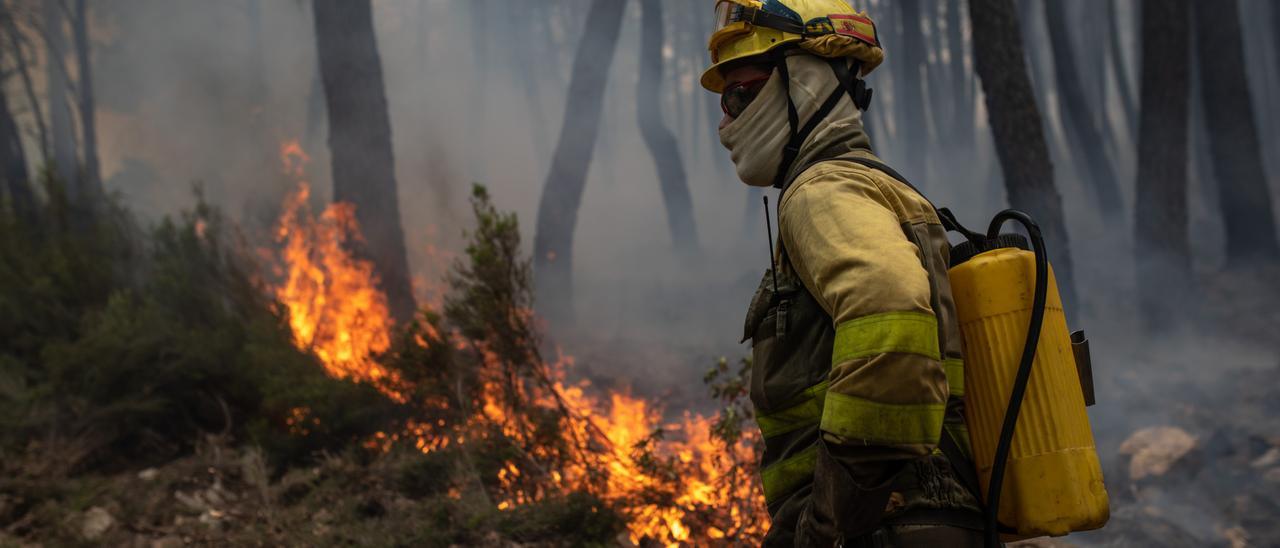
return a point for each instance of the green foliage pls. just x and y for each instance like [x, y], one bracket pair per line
[491, 294]
[127, 347]
[123, 345]
[423, 475]
[730, 387]
[576, 519]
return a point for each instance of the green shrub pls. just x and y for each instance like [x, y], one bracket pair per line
[123, 345]
[576, 519]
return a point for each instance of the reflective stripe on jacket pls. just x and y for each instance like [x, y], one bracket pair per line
[857, 360]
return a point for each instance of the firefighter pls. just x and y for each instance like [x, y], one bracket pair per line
[857, 378]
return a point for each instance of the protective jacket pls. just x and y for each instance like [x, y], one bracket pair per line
[857, 361]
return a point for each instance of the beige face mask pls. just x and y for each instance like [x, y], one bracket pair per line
[756, 138]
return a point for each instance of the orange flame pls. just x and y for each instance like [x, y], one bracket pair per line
[703, 493]
[335, 308]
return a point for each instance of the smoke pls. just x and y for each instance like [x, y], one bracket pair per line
[477, 91]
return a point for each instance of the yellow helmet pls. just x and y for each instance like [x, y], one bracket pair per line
[826, 28]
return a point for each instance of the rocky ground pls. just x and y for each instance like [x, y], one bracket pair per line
[226, 497]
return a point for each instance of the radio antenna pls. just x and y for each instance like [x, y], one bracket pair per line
[768, 227]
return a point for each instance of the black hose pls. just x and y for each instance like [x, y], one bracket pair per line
[1024, 368]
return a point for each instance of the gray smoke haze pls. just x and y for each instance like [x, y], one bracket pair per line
[190, 92]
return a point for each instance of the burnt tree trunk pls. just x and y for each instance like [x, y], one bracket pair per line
[362, 164]
[562, 193]
[1275, 24]
[1016, 127]
[62, 136]
[13, 165]
[1233, 134]
[661, 142]
[961, 126]
[92, 176]
[1083, 132]
[1160, 220]
[1120, 68]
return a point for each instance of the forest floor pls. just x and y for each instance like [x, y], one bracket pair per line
[223, 496]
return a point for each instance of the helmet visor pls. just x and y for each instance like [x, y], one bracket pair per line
[727, 13]
[730, 23]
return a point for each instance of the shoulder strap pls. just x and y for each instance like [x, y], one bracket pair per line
[948, 219]
[948, 222]
[964, 467]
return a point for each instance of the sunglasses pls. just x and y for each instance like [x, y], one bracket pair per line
[739, 95]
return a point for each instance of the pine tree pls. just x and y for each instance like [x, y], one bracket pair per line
[360, 141]
[1160, 219]
[562, 193]
[1016, 125]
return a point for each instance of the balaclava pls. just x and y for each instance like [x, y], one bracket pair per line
[756, 138]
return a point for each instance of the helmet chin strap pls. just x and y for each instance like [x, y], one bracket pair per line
[855, 87]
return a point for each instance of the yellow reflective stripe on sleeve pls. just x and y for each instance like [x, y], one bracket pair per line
[854, 418]
[785, 476]
[955, 375]
[807, 411]
[909, 332]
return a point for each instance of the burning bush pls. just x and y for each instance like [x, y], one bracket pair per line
[122, 345]
[126, 346]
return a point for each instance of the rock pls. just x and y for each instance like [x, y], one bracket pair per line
[167, 542]
[1272, 456]
[97, 521]
[149, 474]
[1156, 449]
[213, 519]
[1236, 536]
[193, 502]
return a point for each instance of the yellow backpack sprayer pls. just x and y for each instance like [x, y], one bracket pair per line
[1030, 434]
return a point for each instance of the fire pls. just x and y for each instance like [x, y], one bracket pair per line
[335, 308]
[672, 480]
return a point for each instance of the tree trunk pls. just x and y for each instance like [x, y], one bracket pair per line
[1233, 134]
[1203, 183]
[1160, 218]
[1078, 120]
[362, 164]
[20, 62]
[92, 182]
[1120, 68]
[1032, 35]
[1016, 127]
[562, 193]
[62, 129]
[661, 142]
[13, 165]
[962, 101]
[912, 110]
[1275, 24]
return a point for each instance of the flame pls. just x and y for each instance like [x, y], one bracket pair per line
[680, 488]
[335, 307]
